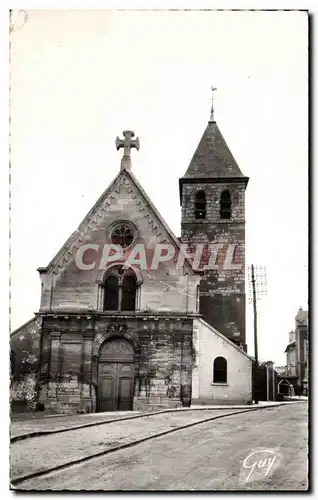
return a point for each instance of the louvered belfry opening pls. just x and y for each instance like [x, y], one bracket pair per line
[225, 205]
[200, 205]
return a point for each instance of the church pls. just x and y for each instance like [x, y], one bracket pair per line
[133, 317]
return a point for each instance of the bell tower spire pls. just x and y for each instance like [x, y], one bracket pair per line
[212, 195]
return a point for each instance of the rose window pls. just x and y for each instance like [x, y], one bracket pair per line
[122, 234]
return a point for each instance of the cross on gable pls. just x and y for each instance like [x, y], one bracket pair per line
[127, 143]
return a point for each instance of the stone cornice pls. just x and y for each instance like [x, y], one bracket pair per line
[119, 316]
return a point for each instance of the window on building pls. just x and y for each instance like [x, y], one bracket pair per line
[200, 205]
[219, 370]
[111, 293]
[120, 288]
[128, 298]
[225, 205]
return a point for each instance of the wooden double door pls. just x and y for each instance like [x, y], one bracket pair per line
[116, 374]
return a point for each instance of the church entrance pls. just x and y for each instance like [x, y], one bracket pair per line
[116, 372]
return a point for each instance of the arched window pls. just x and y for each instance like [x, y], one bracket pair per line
[219, 370]
[120, 288]
[111, 292]
[128, 293]
[200, 205]
[225, 205]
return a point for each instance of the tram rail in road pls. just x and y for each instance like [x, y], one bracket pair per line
[38, 473]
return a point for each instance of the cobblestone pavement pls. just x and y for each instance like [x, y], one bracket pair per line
[206, 457]
[40, 453]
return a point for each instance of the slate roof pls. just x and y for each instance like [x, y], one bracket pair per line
[213, 158]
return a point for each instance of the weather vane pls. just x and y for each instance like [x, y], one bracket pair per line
[214, 89]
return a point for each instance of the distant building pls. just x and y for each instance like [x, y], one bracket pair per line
[291, 355]
[297, 352]
[281, 370]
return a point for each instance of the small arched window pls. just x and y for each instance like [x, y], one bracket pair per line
[225, 205]
[200, 205]
[120, 288]
[219, 370]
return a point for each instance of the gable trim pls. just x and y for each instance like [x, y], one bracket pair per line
[62, 257]
[223, 337]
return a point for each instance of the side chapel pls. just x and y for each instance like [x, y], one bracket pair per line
[127, 338]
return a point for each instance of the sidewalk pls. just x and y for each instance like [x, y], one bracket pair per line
[38, 426]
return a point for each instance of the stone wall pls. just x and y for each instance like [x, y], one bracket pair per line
[222, 290]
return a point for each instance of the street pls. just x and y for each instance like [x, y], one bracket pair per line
[259, 450]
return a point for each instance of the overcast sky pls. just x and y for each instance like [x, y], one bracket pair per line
[79, 78]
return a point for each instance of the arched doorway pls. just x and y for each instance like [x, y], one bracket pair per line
[116, 373]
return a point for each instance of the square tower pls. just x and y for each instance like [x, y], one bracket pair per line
[212, 196]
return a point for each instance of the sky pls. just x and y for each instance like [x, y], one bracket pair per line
[79, 78]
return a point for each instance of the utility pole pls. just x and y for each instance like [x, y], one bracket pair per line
[255, 333]
[259, 285]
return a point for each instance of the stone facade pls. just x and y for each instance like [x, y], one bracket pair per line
[70, 359]
[74, 325]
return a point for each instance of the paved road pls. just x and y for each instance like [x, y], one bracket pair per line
[210, 456]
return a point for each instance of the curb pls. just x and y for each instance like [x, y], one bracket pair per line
[132, 417]
[128, 445]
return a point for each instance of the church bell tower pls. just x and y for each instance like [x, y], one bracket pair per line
[212, 196]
